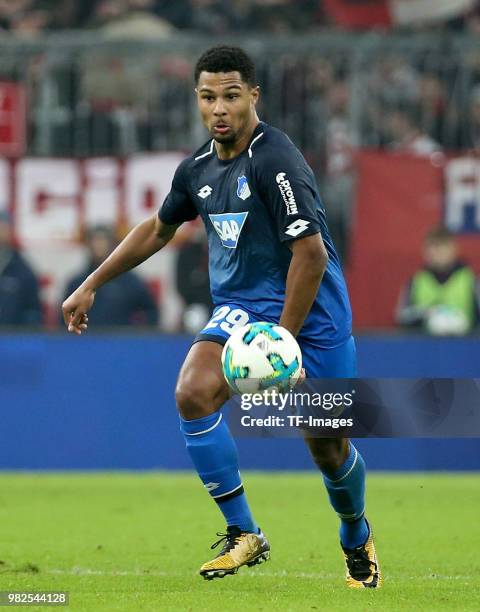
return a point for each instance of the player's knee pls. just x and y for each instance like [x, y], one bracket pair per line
[190, 400]
[196, 399]
[329, 454]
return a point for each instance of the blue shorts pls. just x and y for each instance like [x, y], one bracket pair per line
[338, 362]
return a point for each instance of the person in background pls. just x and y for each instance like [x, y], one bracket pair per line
[442, 296]
[339, 181]
[193, 282]
[407, 135]
[474, 119]
[127, 299]
[19, 291]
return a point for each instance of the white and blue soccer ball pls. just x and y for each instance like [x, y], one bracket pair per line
[261, 356]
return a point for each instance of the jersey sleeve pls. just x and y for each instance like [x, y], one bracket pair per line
[178, 206]
[287, 187]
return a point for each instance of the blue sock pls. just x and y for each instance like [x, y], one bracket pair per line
[346, 489]
[214, 455]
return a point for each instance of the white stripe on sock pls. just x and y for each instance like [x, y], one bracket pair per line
[228, 492]
[353, 465]
[197, 433]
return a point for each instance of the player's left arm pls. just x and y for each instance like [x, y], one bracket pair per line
[287, 186]
[307, 266]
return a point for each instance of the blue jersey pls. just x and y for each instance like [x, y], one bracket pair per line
[252, 206]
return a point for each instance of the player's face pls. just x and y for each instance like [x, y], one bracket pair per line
[226, 104]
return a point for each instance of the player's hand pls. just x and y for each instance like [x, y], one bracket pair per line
[300, 379]
[75, 309]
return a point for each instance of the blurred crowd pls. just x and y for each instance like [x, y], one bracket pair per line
[126, 301]
[330, 98]
[29, 17]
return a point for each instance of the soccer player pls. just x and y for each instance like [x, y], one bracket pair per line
[271, 259]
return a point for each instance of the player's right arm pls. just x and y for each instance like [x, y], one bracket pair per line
[141, 243]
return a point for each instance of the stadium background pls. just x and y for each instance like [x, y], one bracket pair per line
[96, 112]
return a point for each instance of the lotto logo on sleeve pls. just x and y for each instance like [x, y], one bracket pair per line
[204, 192]
[228, 227]
[297, 227]
[287, 193]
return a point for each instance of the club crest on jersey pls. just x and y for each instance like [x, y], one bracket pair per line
[243, 190]
[228, 227]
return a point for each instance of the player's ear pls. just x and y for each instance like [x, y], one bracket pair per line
[255, 93]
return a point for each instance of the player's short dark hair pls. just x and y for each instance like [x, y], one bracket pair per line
[439, 234]
[227, 59]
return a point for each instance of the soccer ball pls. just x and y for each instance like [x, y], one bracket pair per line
[261, 356]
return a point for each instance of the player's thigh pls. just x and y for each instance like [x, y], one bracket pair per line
[225, 320]
[340, 362]
[201, 388]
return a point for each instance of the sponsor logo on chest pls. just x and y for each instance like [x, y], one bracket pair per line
[228, 227]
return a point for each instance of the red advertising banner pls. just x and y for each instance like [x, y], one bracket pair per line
[399, 198]
[359, 14]
[366, 14]
[12, 119]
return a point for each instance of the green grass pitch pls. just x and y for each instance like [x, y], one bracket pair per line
[134, 541]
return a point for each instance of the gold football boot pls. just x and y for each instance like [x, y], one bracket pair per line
[363, 571]
[239, 548]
